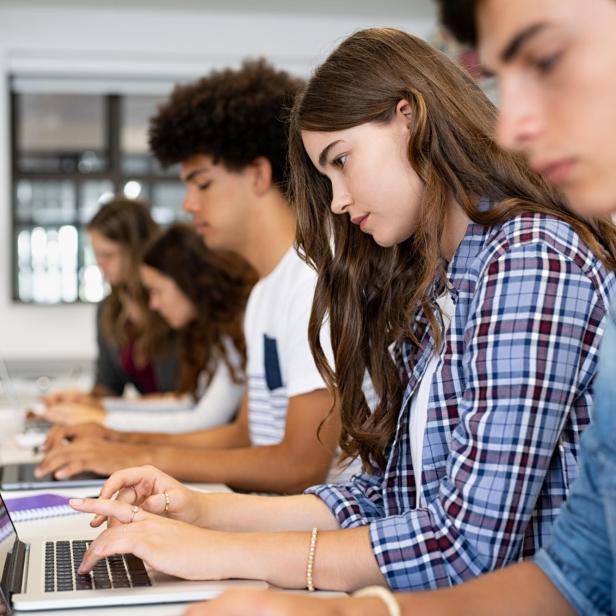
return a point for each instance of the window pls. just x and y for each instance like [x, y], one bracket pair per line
[72, 152]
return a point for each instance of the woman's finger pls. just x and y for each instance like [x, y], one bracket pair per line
[139, 477]
[113, 541]
[123, 512]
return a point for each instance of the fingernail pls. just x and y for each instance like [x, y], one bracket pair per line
[75, 501]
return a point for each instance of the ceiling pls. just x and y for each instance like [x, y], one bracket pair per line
[419, 9]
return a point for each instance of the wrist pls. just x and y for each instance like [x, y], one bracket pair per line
[116, 436]
[244, 555]
[366, 606]
[204, 510]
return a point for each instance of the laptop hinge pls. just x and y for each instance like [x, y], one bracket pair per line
[13, 577]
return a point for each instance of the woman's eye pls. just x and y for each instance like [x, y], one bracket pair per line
[340, 161]
[546, 64]
[204, 186]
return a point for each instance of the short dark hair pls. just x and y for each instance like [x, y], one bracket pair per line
[460, 18]
[233, 115]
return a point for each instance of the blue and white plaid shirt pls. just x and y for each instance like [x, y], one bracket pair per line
[509, 400]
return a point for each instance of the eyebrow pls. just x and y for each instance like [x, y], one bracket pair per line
[512, 49]
[325, 152]
[194, 173]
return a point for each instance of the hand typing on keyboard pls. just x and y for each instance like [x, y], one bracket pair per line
[155, 540]
[62, 561]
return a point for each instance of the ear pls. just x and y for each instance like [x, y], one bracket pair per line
[404, 112]
[262, 175]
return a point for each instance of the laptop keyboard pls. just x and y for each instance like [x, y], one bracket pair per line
[62, 560]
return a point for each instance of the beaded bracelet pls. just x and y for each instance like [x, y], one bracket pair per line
[312, 550]
[384, 594]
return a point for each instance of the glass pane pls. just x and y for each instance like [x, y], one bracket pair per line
[167, 199]
[91, 283]
[94, 193]
[61, 133]
[47, 264]
[136, 157]
[45, 201]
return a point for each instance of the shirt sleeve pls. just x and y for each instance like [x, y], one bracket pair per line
[108, 371]
[301, 373]
[584, 538]
[355, 503]
[216, 407]
[522, 358]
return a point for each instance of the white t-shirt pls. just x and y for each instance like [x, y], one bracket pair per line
[217, 405]
[279, 361]
[280, 364]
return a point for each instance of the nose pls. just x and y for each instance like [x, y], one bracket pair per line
[190, 204]
[519, 117]
[341, 198]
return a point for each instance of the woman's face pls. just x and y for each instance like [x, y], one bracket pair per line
[110, 257]
[554, 61]
[372, 180]
[167, 298]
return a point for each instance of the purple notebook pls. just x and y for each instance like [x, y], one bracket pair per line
[38, 506]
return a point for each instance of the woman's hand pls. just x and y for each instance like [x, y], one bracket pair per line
[169, 546]
[146, 487]
[71, 413]
[61, 435]
[67, 395]
[97, 456]
[268, 603]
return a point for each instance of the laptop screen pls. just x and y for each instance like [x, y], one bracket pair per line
[8, 538]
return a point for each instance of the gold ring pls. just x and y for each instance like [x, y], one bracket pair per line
[133, 510]
[166, 502]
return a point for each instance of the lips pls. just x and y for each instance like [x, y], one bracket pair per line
[200, 227]
[556, 172]
[359, 220]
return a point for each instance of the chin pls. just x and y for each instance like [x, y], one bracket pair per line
[594, 203]
[384, 242]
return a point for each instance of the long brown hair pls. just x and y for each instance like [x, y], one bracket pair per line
[128, 222]
[371, 295]
[218, 284]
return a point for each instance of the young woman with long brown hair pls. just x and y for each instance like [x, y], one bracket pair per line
[135, 346]
[201, 294]
[473, 299]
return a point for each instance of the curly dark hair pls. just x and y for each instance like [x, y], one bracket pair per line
[233, 115]
[460, 18]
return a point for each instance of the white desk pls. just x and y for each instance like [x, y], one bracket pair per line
[11, 424]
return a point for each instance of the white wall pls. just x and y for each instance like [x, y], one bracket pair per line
[86, 40]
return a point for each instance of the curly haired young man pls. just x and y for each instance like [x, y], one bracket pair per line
[228, 131]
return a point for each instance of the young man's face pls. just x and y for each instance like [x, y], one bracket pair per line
[219, 201]
[555, 64]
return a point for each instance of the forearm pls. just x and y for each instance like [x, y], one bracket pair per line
[520, 589]
[216, 438]
[99, 390]
[257, 469]
[247, 512]
[344, 559]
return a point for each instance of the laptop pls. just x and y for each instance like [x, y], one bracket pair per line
[42, 575]
[20, 476]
